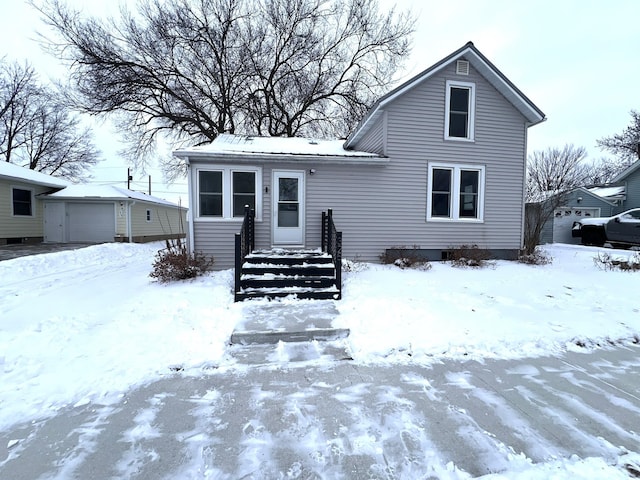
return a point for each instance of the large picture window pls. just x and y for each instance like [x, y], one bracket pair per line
[455, 192]
[223, 192]
[460, 110]
[22, 202]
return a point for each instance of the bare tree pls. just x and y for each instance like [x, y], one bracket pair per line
[551, 174]
[37, 130]
[625, 145]
[188, 70]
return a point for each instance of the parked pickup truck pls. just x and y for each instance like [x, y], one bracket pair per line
[621, 231]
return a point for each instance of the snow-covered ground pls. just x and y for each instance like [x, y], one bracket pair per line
[86, 325]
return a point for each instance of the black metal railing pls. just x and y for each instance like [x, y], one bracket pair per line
[332, 244]
[245, 244]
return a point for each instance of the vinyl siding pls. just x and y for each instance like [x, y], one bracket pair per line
[632, 183]
[382, 206]
[374, 140]
[18, 226]
[164, 220]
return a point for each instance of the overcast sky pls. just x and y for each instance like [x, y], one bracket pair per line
[577, 60]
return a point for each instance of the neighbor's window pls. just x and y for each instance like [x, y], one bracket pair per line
[22, 204]
[455, 192]
[460, 106]
[148, 215]
[224, 192]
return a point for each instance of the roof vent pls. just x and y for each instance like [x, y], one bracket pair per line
[462, 67]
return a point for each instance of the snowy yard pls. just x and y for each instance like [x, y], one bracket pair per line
[84, 326]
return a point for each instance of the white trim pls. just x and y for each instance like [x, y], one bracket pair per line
[227, 192]
[454, 206]
[472, 110]
[33, 202]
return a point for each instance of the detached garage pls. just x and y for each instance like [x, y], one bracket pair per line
[98, 214]
[578, 204]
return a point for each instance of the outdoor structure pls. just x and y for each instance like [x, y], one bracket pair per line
[35, 207]
[437, 163]
[21, 210]
[93, 213]
[622, 194]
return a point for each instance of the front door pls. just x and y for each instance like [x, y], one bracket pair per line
[288, 208]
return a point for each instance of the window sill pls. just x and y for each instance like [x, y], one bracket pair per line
[454, 220]
[460, 139]
[223, 220]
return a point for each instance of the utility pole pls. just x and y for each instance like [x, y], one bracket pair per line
[149, 185]
[129, 178]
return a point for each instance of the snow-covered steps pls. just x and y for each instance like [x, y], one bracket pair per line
[308, 274]
[288, 352]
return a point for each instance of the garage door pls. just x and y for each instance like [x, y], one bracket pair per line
[91, 222]
[563, 219]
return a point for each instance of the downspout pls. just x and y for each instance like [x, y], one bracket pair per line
[129, 229]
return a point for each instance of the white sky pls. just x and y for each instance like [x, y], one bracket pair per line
[577, 60]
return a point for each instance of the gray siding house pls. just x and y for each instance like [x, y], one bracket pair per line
[437, 163]
[630, 180]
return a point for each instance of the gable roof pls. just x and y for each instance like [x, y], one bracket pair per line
[245, 147]
[494, 76]
[626, 172]
[25, 175]
[105, 192]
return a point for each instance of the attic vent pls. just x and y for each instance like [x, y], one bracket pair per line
[462, 67]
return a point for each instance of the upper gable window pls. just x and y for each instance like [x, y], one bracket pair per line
[460, 111]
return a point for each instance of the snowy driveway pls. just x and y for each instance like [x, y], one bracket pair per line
[574, 416]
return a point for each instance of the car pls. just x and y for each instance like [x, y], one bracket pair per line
[621, 230]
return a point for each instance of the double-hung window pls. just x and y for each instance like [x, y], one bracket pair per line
[22, 202]
[455, 192]
[224, 191]
[460, 111]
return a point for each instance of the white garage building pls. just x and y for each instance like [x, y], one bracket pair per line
[96, 214]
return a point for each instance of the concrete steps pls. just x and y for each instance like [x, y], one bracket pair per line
[277, 332]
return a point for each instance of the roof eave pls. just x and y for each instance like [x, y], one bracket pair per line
[236, 157]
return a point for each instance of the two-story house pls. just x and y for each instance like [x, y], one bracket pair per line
[436, 163]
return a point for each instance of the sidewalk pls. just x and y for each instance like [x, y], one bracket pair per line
[338, 419]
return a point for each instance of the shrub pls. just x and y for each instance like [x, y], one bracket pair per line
[538, 257]
[469, 256]
[176, 263]
[605, 261]
[405, 257]
[353, 266]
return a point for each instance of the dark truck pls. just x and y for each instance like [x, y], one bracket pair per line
[621, 231]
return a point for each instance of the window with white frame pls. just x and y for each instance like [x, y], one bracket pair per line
[22, 202]
[460, 111]
[455, 192]
[224, 191]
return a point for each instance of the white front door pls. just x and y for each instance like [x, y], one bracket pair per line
[54, 222]
[288, 208]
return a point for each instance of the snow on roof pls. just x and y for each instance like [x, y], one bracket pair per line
[228, 144]
[15, 172]
[608, 192]
[105, 192]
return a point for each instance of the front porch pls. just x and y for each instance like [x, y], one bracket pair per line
[307, 274]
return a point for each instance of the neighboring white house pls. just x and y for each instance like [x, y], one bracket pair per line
[437, 163]
[35, 207]
[21, 213]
